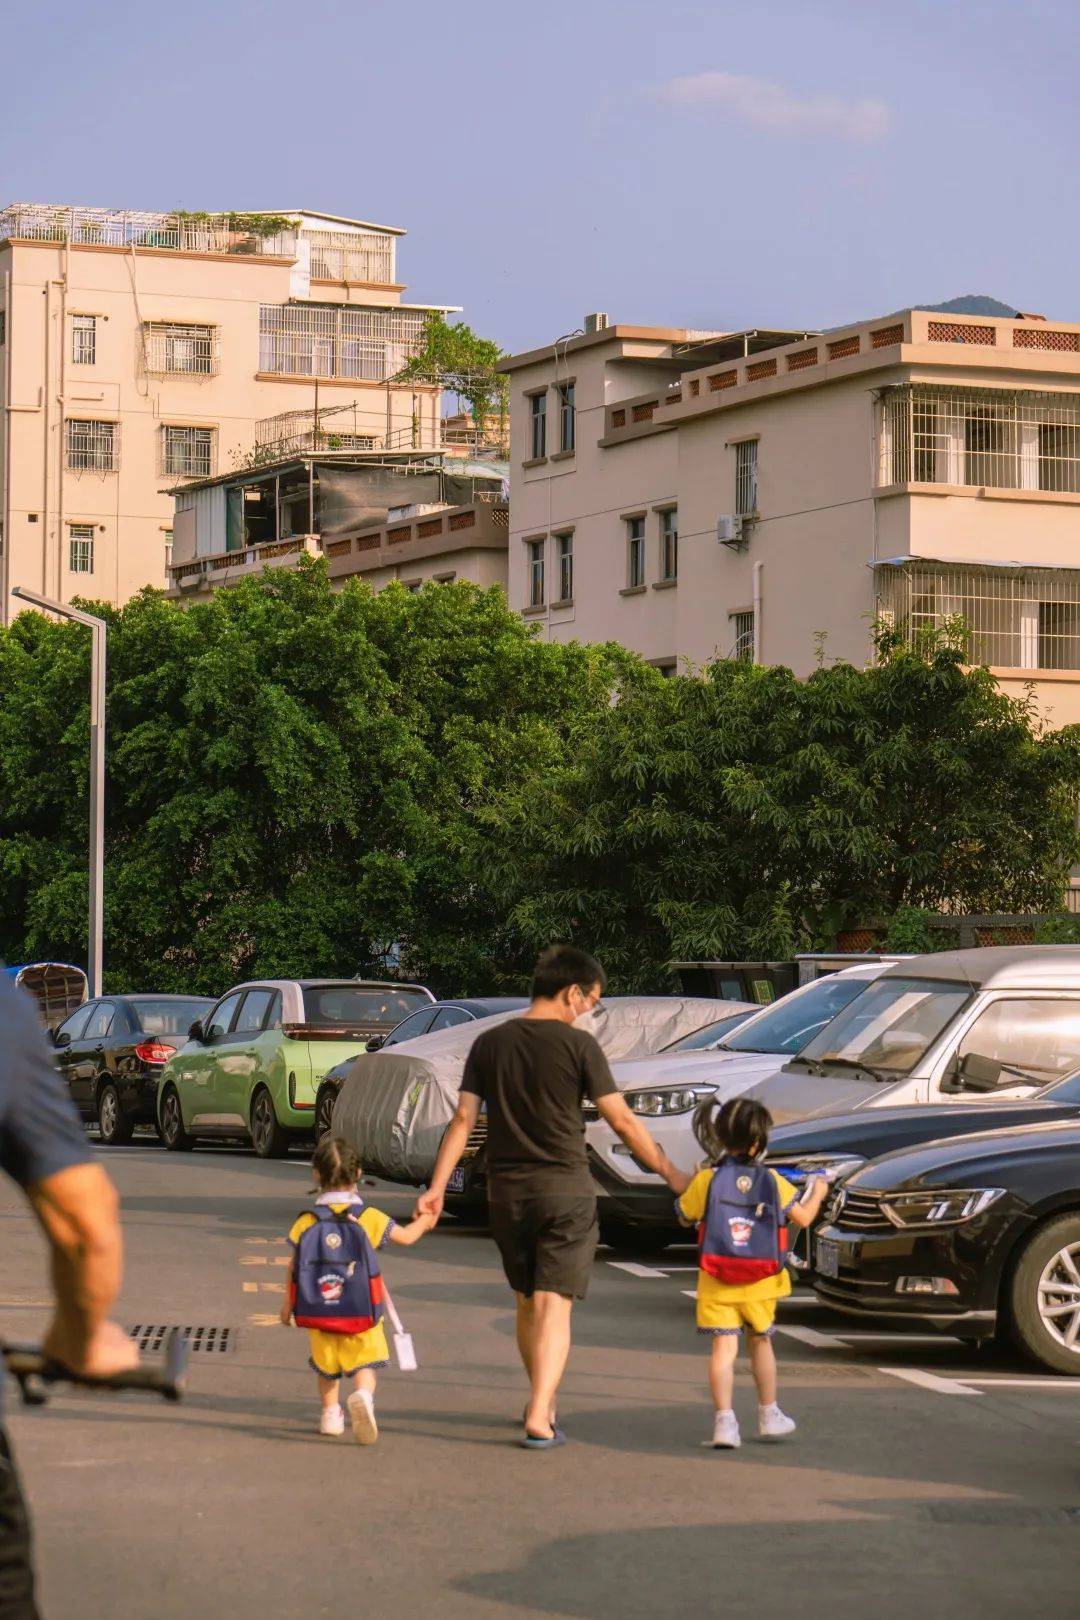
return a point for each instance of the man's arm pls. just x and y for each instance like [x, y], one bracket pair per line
[453, 1146]
[614, 1112]
[79, 1213]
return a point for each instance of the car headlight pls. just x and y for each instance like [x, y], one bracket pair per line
[657, 1104]
[949, 1207]
[833, 1166]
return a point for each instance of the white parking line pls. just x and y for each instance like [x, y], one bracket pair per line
[929, 1380]
[635, 1270]
[1060, 1384]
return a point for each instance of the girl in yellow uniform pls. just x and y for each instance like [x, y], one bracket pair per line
[739, 1130]
[348, 1355]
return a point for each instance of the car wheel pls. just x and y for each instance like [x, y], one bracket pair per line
[324, 1112]
[631, 1239]
[115, 1126]
[173, 1134]
[1044, 1296]
[267, 1137]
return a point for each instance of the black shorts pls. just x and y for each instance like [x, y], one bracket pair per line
[16, 1576]
[547, 1241]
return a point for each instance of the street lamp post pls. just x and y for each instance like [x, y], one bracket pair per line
[97, 772]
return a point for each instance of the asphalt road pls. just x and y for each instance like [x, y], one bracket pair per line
[924, 1479]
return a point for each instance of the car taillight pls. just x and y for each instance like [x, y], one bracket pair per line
[154, 1051]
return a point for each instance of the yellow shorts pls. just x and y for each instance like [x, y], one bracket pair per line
[759, 1315]
[336, 1355]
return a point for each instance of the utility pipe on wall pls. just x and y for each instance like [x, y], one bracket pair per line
[758, 566]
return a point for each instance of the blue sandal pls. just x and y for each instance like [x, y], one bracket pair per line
[542, 1442]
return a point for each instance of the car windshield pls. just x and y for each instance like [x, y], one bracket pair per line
[359, 1004]
[703, 1040]
[891, 1025]
[786, 1028]
[165, 1015]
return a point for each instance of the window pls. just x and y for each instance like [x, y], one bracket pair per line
[890, 1026]
[92, 446]
[1009, 618]
[536, 573]
[410, 1028]
[564, 555]
[253, 1011]
[1038, 1038]
[537, 426]
[991, 438]
[3, 327]
[222, 1016]
[328, 340]
[167, 537]
[190, 351]
[743, 626]
[81, 548]
[448, 1017]
[635, 552]
[567, 417]
[78, 1021]
[83, 340]
[100, 1023]
[746, 478]
[669, 544]
[187, 452]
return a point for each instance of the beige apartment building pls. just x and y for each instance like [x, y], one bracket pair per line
[141, 350]
[769, 495]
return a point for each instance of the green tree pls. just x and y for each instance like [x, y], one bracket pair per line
[456, 357]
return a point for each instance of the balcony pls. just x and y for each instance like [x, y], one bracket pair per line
[1010, 618]
[990, 439]
[133, 228]
[337, 341]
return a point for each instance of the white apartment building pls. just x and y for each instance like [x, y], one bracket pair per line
[769, 495]
[138, 350]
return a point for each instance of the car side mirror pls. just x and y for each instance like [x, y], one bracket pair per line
[978, 1073]
[375, 1043]
[62, 1038]
[196, 1031]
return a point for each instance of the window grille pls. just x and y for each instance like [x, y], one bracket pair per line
[175, 349]
[83, 340]
[81, 548]
[331, 340]
[537, 426]
[635, 552]
[743, 626]
[3, 327]
[567, 417]
[350, 256]
[746, 468]
[536, 573]
[92, 446]
[187, 452]
[564, 546]
[1007, 618]
[669, 544]
[985, 438]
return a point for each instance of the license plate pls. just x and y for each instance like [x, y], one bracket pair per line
[827, 1258]
[457, 1180]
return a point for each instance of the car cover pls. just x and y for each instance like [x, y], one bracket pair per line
[395, 1105]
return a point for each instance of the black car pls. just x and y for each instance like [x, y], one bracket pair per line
[435, 1016]
[976, 1235]
[112, 1050]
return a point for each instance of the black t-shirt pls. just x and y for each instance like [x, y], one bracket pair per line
[533, 1073]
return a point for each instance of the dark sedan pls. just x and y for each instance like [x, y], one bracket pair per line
[111, 1052]
[976, 1235]
[435, 1016]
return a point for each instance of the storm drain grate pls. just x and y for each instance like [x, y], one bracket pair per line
[1003, 1513]
[205, 1340]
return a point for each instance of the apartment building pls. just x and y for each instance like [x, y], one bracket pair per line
[139, 350]
[770, 495]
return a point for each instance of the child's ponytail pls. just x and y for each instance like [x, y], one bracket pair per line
[739, 1127]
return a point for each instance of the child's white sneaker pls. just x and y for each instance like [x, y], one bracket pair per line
[362, 1417]
[725, 1435]
[332, 1420]
[773, 1424]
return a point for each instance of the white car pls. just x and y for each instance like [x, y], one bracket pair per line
[666, 1089]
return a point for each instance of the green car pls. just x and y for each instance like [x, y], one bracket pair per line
[251, 1068]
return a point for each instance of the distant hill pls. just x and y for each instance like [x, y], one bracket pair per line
[971, 304]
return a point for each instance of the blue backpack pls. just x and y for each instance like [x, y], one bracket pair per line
[743, 1236]
[337, 1285]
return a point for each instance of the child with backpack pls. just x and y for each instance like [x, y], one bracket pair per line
[742, 1210]
[336, 1291]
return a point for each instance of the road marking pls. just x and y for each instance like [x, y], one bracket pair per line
[899, 1338]
[811, 1336]
[265, 1260]
[1063, 1383]
[265, 1240]
[635, 1270]
[929, 1380]
[250, 1288]
[265, 1321]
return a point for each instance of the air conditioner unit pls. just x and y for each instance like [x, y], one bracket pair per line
[731, 531]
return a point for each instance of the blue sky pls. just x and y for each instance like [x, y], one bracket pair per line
[709, 165]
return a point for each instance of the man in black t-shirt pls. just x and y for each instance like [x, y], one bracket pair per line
[533, 1074]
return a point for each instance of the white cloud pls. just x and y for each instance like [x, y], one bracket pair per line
[767, 105]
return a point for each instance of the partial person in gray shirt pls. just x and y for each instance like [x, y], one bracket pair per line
[43, 1149]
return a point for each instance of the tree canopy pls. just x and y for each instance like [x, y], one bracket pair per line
[456, 357]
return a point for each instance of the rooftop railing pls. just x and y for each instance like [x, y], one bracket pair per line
[132, 228]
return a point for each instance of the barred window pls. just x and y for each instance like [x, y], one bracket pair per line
[92, 446]
[329, 340]
[173, 348]
[187, 452]
[1008, 618]
[83, 340]
[746, 470]
[81, 548]
[743, 646]
[984, 438]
